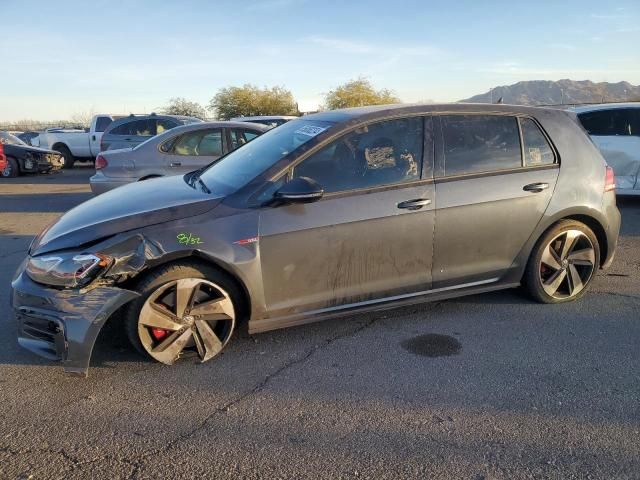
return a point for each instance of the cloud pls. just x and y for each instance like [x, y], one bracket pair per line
[353, 47]
[341, 45]
[608, 16]
[563, 46]
[259, 5]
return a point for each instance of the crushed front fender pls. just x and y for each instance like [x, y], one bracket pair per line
[63, 324]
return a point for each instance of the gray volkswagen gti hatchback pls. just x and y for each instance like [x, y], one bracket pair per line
[342, 211]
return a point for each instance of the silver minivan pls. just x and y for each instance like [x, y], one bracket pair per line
[130, 131]
[615, 129]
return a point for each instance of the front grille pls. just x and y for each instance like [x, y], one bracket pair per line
[42, 334]
[40, 329]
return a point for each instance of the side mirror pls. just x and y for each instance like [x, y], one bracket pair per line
[300, 190]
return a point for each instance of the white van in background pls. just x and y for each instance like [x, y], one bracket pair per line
[615, 129]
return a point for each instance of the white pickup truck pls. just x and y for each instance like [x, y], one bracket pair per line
[77, 144]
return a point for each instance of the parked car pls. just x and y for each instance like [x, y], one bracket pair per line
[176, 151]
[615, 129]
[270, 121]
[28, 137]
[76, 144]
[21, 158]
[135, 129]
[334, 213]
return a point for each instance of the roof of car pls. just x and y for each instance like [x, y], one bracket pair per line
[265, 117]
[602, 106]
[134, 117]
[381, 111]
[220, 124]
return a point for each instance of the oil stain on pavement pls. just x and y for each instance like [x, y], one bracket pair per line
[432, 345]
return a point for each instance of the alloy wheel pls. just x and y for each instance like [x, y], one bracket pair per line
[567, 264]
[186, 315]
[7, 170]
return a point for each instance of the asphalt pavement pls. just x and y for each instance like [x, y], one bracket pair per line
[483, 387]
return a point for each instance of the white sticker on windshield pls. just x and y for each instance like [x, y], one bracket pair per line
[310, 130]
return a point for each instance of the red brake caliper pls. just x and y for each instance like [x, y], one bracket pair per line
[159, 333]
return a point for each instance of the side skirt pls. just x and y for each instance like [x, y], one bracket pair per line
[265, 325]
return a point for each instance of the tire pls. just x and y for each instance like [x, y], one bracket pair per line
[563, 263]
[12, 169]
[157, 329]
[69, 159]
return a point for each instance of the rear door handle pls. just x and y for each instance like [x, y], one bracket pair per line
[535, 187]
[175, 164]
[415, 204]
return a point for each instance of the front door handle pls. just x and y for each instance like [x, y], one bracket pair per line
[415, 204]
[175, 164]
[535, 187]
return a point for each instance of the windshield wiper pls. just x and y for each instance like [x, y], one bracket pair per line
[195, 177]
[203, 185]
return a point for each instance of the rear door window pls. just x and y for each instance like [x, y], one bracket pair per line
[537, 150]
[143, 128]
[480, 143]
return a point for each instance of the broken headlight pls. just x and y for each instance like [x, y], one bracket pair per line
[66, 269]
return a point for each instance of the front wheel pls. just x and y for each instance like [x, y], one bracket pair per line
[563, 263]
[69, 159]
[184, 310]
[12, 169]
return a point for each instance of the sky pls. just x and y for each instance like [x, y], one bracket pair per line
[64, 58]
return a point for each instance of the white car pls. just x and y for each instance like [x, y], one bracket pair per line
[615, 129]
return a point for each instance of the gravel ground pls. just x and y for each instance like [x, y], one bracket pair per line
[518, 390]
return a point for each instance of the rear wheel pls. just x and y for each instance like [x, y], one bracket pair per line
[69, 159]
[12, 169]
[563, 263]
[185, 309]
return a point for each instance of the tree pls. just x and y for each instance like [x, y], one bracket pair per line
[249, 100]
[358, 93]
[182, 106]
[83, 118]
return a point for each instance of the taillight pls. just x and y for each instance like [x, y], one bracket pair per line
[609, 179]
[3, 158]
[101, 162]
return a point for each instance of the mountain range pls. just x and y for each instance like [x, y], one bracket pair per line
[545, 92]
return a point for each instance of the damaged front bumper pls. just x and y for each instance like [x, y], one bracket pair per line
[63, 325]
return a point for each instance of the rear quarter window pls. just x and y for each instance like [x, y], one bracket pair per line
[537, 150]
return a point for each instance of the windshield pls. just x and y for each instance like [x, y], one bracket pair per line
[8, 139]
[243, 165]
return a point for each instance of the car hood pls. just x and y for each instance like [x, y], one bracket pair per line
[27, 148]
[126, 208]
